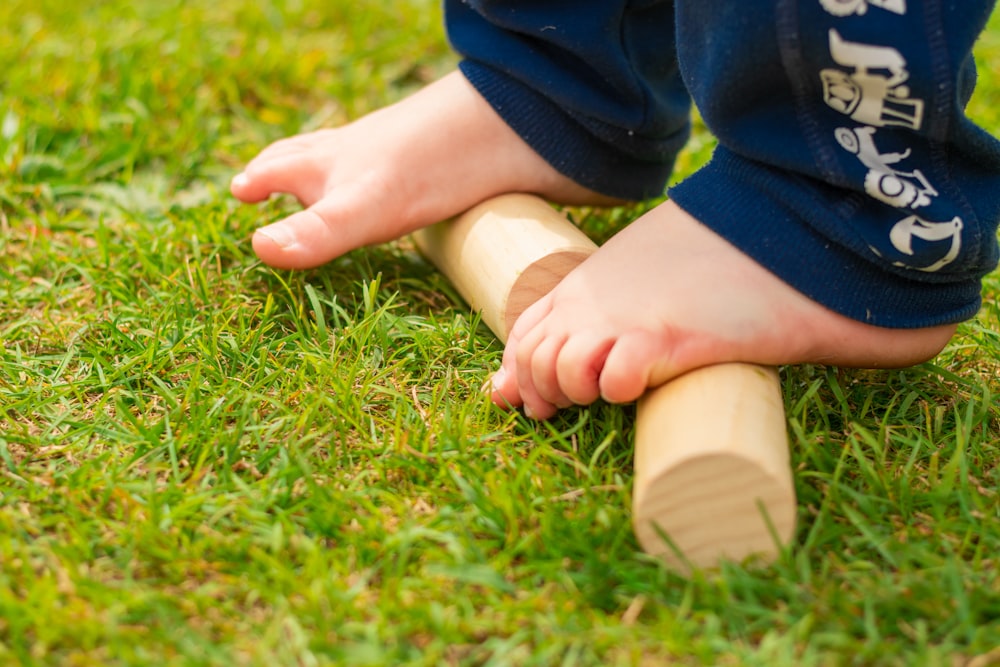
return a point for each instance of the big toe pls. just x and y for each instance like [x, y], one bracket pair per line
[336, 224]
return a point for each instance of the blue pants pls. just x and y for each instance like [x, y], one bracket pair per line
[846, 164]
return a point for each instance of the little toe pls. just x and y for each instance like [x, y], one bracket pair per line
[503, 389]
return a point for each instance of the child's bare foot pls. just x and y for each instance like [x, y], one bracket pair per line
[425, 159]
[667, 295]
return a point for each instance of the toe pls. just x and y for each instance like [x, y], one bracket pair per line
[514, 384]
[246, 190]
[534, 346]
[338, 223]
[505, 391]
[535, 406]
[289, 243]
[579, 366]
[636, 361]
[544, 371]
[290, 174]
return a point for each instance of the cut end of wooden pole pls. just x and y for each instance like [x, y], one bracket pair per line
[713, 481]
[537, 280]
[505, 254]
[685, 517]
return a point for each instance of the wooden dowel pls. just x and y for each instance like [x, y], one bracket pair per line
[504, 255]
[712, 467]
[712, 479]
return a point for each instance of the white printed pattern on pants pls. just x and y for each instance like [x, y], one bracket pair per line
[870, 88]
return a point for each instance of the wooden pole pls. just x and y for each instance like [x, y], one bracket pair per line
[712, 477]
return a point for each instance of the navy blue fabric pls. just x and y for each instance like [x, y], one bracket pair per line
[593, 86]
[846, 164]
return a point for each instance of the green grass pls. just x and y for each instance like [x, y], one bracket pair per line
[206, 462]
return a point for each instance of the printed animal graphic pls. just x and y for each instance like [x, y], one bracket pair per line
[872, 90]
[901, 189]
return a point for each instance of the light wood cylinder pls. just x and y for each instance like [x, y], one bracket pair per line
[504, 255]
[712, 472]
[712, 478]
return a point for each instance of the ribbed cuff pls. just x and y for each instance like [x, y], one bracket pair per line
[770, 216]
[564, 143]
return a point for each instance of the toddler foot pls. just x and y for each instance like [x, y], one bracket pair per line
[667, 295]
[425, 159]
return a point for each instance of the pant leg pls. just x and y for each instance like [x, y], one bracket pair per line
[846, 163]
[592, 85]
